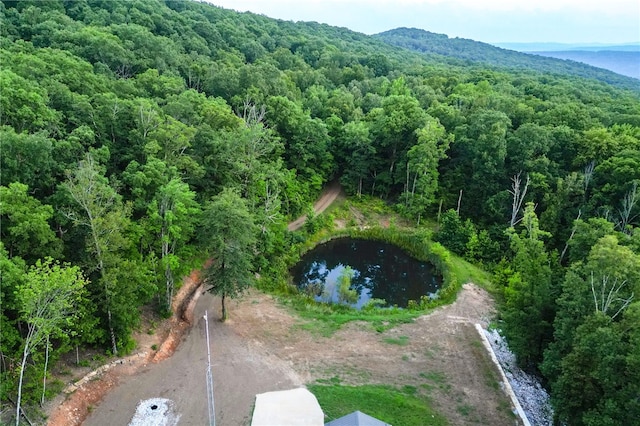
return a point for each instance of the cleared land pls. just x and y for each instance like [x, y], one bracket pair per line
[265, 347]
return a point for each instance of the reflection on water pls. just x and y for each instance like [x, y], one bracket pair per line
[381, 271]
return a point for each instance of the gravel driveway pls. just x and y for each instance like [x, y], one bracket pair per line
[240, 371]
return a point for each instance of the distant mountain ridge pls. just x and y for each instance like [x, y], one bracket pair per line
[558, 47]
[622, 62]
[483, 53]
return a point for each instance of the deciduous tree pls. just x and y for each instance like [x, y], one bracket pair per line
[47, 300]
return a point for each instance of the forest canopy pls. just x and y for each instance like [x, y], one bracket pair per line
[126, 125]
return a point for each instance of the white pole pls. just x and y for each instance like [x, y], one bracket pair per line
[212, 412]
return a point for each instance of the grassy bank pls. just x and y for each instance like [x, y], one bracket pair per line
[363, 222]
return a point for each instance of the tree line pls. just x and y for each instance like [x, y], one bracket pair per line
[141, 137]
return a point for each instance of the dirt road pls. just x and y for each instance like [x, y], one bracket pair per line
[241, 369]
[328, 196]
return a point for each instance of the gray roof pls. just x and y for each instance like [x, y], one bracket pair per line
[357, 418]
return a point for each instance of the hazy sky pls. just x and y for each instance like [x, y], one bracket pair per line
[564, 21]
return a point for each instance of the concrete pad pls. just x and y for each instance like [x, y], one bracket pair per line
[155, 412]
[295, 407]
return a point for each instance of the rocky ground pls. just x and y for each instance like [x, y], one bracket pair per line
[532, 397]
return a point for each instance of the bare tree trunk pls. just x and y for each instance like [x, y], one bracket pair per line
[518, 197]
[373, 187]
[628, 204]
[406, 188]
[607, 298]
[22, 365]
[224, 309]
[25, 354]
[573, 232]
[588, 174]
[459, 201]
[44, 376]
[112, 333]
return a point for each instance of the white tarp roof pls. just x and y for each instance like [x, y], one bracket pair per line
[295, 407]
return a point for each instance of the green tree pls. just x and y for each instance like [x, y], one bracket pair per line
[454, 233]
[529, 299]
[27, 159]
[394, 127]
[23, 103]
[102, 212]
[173, 214]
[25, 227]
[47, 301]
[170, 142]
[12, 275]
[229, 234]
[593, 329]
[422, 167]
[358, 155]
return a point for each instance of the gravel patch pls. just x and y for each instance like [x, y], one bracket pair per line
[533, 398]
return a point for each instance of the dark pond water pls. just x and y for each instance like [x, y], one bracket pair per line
[381, 271]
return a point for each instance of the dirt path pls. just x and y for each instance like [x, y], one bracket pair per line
[241, 369]
[328, 196]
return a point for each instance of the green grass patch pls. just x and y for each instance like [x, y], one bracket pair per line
[322, 319]
[467, 272]
[464, 409]
[403, 406]
[400, 340]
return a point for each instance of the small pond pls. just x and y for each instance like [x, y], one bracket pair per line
[380, 271]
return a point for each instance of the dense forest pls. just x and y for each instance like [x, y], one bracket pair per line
[140, 137]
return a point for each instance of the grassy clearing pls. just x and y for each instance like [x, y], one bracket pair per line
[396, 406]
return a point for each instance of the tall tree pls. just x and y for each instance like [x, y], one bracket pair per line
[229, 234]
[103, 213]
[529, 303]
[173, 215]
[47, 299]
[359, 154]
[422, 167]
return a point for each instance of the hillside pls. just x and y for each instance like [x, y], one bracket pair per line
[475, 52]
[140, 138]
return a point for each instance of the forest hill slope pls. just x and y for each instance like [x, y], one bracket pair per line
[475, 52]
[174, 113]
